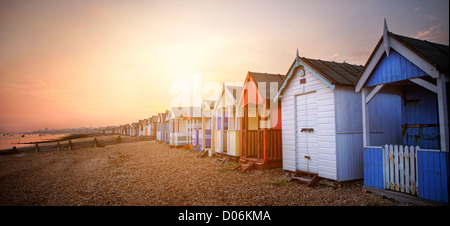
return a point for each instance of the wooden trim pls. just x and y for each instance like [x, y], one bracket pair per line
[369, 67]
[365, 113]
[443, 112]
[373, 93]
[425, 84]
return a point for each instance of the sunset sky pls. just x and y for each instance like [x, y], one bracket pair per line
[66, 64]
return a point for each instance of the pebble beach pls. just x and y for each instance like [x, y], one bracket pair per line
[148, 173]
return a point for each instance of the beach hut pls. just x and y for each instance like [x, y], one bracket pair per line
[142, 127]
[127, 129]
[148, 127]
[154, 125]
[226, 132]
[321, 119]
[207, 108]
[167, 128]
[160, 128]
[416, 72]
[194, 120]
[260, 122]
[179, 125]
[134, 129]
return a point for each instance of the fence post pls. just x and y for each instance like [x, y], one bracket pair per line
[407, 171]
[70, 145]
[402, 169]
[386, 166]
[417, 171]
[36, 147]
[412, 164]
[391, 167]
[396, 170]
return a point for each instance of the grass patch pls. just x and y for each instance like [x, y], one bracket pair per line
[374, 202]
[281, 183]
[227, 167]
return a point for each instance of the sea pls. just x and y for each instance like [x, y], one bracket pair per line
[8, 140]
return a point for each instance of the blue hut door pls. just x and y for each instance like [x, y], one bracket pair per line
[306, 134]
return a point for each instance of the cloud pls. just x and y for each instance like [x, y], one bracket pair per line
[430, 17]
[432, 33]
[417, 8]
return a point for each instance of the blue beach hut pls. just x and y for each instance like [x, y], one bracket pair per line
[416, 72]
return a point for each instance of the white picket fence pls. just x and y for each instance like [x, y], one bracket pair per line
[400, 168]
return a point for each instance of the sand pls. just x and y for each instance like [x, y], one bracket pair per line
[151, 174]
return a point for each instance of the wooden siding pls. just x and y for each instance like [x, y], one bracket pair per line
[349, 145]
[326, 136]
[433, 175]
[234, 142]
[420, 117]
[393, 68]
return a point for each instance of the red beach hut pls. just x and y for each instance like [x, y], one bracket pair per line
[260, 122]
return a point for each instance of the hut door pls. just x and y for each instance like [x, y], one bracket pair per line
[306, 134]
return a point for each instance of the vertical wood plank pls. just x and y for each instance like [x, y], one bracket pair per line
[391, 167]
[386, 166]
[402, 169]
[396, 170]
[444, 175]
[416, 171]
[431, 173]
[437, 175]
[412, 165]
[407, 172]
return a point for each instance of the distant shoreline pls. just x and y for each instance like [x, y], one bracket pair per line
[63, 138]
[68, 137]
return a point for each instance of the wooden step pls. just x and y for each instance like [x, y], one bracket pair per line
[222, 159]
[312, 179]
[245, 167]
[202, 153]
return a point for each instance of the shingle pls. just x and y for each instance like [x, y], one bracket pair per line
[267, 78]
[336, 73]
[434, 53]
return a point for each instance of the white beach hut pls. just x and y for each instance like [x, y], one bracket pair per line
[322, 120]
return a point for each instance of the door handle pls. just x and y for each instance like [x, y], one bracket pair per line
[309, 130]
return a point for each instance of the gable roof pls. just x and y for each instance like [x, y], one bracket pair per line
[427, 55]
[329, 72]
[209, 103]
[259, 78]
[435, 53]
[267, 78]
[228, 90]
[161, 117]
[336, 73]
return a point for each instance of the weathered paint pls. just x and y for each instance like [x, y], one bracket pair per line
[393, 68]
[373, 167]
[420, 117]
[433, 175]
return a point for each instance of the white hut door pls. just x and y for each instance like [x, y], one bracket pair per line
[306, 134]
